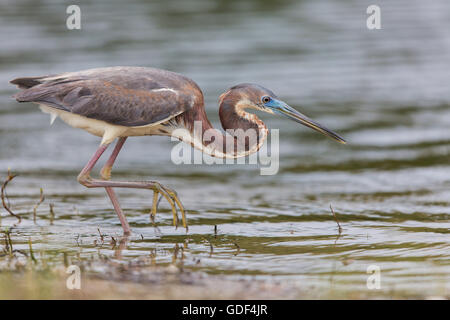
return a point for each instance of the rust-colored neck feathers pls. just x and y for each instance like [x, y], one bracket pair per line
[245, 132]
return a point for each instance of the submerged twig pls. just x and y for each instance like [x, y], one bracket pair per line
[52, 213]
[337, 238]
[153, 256]
[6, 249]
[211, 248]
[176, 249]
[238, 249]
[157, 230]
[41, 199]
[101, 235]
[8, 242]
[65, 259]
[31, 251]
[4, 197]
[336, 219]
[113, 242]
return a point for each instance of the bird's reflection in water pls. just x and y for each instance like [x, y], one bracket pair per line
[123, 243]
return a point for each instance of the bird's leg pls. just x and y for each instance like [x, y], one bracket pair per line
[170, 195]
[84, 176]
[152, 185]
[118, 209]
[105, 173]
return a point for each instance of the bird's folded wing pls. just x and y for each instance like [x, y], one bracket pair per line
[120, 100]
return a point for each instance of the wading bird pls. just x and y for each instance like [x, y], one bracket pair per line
[119, 102]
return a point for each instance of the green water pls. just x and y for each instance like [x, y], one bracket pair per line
[385, 91]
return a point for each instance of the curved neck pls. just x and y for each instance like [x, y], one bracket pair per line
[244, 132]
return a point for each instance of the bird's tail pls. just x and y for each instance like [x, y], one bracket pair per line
[28, 82]
[31, 91]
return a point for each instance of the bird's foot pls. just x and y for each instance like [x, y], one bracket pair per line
[174, 201]
[169, 194]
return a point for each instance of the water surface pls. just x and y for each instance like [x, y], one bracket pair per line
[385, 91]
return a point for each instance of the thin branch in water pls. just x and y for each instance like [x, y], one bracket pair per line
[238, 249]
[41, 199]
[336, 240]
[7, 250]
[175, 253]
[211, 248]
[52, 213]
[153, 256]
[4, 197]
[21, 252]
[31, 251]
[336, 219]
[65, 259]
[8, 242]
[101, 236]
[157, 230]
[113, 242]
[182, 254]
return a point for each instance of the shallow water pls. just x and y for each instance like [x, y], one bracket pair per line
[385, 91]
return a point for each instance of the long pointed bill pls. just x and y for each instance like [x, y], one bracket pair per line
[287, 111]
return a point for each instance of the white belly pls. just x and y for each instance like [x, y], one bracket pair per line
[100, 128]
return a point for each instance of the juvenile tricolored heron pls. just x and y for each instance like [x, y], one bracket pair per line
[120, 102]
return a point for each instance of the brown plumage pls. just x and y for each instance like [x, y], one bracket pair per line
[128, 96]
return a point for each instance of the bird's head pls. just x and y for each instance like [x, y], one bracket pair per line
[253, 96]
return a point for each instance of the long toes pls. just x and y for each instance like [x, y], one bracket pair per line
[159, 201]
[177, 200]
[172, 204]
[155, 204]
[172, 197]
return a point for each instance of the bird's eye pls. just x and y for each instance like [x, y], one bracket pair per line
[266, 99]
